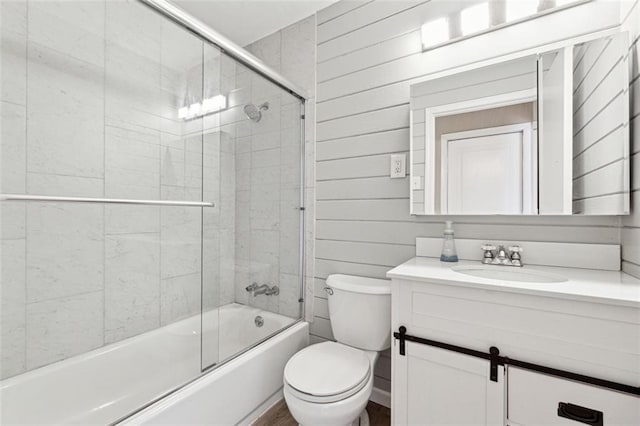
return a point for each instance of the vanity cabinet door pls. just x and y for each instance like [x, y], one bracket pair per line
[433, 386]
[538, 399]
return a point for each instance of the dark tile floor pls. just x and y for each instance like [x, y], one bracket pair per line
[279, 415]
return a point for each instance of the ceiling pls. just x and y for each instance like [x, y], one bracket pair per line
[245, 21]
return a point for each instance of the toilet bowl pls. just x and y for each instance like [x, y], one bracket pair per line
[330, 383]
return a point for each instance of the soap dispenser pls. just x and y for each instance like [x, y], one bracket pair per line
[448, 244]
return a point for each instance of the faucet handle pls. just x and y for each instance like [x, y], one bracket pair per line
[488, 252]
[514, 252]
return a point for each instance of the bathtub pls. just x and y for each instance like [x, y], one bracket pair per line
[107, 384]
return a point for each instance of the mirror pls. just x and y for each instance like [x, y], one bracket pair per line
[543, 134]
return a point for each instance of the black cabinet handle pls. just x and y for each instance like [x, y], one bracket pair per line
[580, 414]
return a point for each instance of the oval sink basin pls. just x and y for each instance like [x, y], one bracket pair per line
[509, 273]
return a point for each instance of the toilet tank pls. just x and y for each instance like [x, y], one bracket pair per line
[360, 311]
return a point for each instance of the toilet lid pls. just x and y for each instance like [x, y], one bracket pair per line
[327, 369]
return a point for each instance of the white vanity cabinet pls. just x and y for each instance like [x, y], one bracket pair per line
[534, 399]
[433, 386]
[590, 336]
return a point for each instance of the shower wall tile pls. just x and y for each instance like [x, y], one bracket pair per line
[47, 184]
[12, 220]
[227, 266]
[132, 162]
[266, 158]
[13, 49]
[180, 257]
[173, 166]
[269, 140]
[131, 26]
[60, 328]
[133, 69]
[268, 49]
[124, 219]
[65, 250]
[132, 285]
[12, 308]
[72, 28]
[298, 53]
[264, 266]
[265, 207]
[65, 124]
[263, 176]
[179, 298]
[12, 151]
[289, 295]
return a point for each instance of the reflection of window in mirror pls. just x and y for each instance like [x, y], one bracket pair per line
[487, 161]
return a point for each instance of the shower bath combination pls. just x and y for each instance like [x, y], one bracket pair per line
[135, 295]
[254, 113]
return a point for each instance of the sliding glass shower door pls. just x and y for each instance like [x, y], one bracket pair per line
[148, 180]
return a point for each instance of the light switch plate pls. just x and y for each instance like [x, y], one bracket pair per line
[398, 166]
[416, 182]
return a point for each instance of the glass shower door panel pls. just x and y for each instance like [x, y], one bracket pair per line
[259, 138]
[113, 290]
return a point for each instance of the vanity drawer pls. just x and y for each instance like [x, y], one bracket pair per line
[534, 399]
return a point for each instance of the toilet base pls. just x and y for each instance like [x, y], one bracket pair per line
[362, 420]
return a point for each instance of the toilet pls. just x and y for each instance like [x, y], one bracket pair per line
[330, 383]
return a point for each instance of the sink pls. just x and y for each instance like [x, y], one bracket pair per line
[509, 273]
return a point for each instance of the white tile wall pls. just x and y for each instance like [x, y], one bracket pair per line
[367, 57]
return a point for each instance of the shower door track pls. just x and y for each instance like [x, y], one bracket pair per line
[177, 15]
[46, 198]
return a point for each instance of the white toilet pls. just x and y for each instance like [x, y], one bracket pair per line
[330, 383]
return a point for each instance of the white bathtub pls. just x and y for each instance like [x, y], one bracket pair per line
[104, 385]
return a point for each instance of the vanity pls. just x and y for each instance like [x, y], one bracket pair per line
[553, 338]
[480, 344]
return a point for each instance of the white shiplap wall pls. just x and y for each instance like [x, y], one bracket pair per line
[368, 55]
[631, 231]
[600, 126]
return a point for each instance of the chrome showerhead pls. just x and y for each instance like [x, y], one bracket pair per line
[254, 113]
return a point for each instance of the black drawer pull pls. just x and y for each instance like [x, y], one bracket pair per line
[580, 414]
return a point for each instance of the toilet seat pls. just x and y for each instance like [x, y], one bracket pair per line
[327, 372]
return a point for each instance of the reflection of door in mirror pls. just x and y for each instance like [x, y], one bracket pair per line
[489, 171]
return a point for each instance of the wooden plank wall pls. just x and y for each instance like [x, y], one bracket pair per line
[369, 53]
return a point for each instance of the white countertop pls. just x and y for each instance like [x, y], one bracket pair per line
[610, 287]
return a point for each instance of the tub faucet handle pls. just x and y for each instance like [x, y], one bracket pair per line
[251, 288]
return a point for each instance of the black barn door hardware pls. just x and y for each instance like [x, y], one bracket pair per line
[495, 359]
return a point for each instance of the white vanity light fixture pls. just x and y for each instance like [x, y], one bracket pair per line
[475, 18]
[435, 32]
[482, 18]
[208, 106]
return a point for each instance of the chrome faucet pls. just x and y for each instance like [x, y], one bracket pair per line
[256, 290]
[501, 255]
